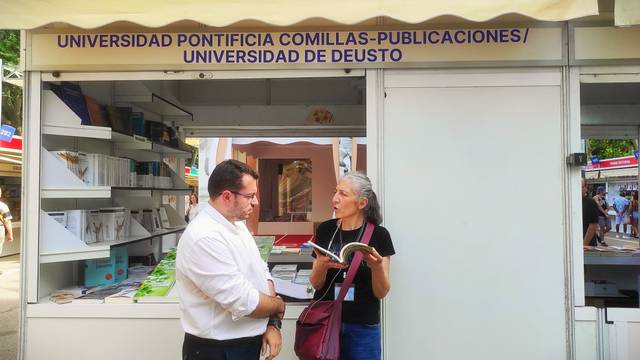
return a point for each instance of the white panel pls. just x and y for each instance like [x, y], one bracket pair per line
[479, 270]
[586, 340]
[103, 339]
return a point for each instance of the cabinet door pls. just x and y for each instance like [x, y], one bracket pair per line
[473, 198]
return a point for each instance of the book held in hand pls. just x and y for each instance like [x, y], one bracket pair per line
[345, 252]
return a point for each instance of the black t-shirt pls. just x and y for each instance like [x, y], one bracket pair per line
[365, 309]
[590, 214]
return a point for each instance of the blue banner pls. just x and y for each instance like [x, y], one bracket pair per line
[6, 133]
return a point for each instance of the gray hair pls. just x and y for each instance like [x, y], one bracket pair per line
[364, 189]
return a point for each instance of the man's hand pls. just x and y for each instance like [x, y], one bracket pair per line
[373, 260]
[272, 339]
[325, 262]
[10, 239]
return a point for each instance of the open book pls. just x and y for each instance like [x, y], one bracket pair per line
[345, 252]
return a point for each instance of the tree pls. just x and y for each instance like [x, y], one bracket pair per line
[607, 149]
[10, 46]
[11, 94]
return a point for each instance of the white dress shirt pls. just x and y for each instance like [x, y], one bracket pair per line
[219, 274]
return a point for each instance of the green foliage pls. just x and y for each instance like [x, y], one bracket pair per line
[607, 149]
[11, 94]
[10, 46]
[12, 106]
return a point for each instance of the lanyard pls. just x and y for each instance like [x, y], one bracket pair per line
[338, 224]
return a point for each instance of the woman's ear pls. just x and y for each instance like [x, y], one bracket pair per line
[363, 203]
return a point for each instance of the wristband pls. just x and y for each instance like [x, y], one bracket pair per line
[275, 323]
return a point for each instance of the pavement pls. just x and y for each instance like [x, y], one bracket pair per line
[9, 305]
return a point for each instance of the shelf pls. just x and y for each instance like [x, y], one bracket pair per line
[57, 244]
[59, 119]
[131, 142]
[123, 188]
[86, 131]
[164, 149]
[611, 260]
[155, 104]
[76, 193]
[101, 249]
[59, 182]
[137, 142]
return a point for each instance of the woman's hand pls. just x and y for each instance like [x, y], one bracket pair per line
[324, 262]
[373, 260]
[319, 269]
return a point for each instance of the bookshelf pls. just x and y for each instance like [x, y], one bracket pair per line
[61, 252]
[59, 245]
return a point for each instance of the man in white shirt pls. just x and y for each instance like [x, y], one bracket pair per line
[227, 299]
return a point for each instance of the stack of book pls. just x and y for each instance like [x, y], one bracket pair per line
[159, 283]
[302, 277]
[99, 169]
[95, 225]
[285, 272]
[91, 112]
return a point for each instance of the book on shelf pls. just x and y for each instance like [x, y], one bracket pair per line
[95, 226]
[345, 252]
[97, 114]
[121, 262]
[100, 295]
[59, 216]
[302, 277]
[155, 220]
[284, 271]
[66, 295]
[71, 95]
[164, 218]
[265, 244]
[125, 296]
[137, 123]
[161, 280]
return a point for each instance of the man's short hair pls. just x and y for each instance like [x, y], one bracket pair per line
[228, 176]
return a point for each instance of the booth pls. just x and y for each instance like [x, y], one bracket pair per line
[467, 127]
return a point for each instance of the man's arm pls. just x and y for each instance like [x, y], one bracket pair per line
[268, 306]
[9, 229]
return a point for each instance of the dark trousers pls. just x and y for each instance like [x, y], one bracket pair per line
[196, 348]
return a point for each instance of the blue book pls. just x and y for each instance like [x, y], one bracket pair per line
[99, 272]
[121, 257]
[71, 94]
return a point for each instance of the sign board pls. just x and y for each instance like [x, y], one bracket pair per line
[318, 49]
[606, 43]
[615, 163]
[6, 132]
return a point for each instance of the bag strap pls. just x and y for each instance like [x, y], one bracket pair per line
[355, 264]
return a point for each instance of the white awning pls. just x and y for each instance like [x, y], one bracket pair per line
[29, 14]
[627, 12]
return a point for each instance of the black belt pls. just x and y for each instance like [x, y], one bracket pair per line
[238, 342]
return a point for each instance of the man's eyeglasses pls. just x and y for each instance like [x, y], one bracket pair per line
[246, 196]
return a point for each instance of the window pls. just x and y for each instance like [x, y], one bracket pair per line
[285, 190]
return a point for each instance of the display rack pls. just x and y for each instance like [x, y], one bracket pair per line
[57, 244]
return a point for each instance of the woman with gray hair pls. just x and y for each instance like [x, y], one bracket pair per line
[355, 204]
